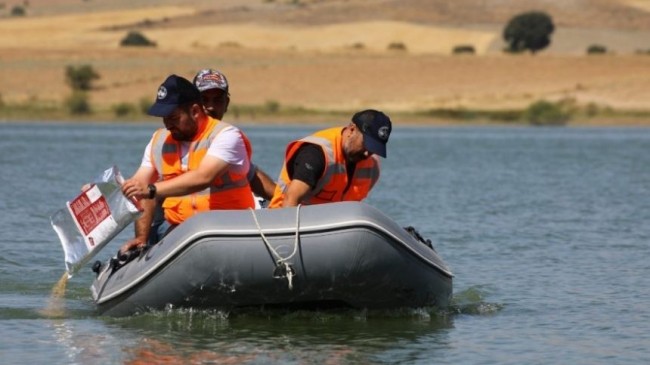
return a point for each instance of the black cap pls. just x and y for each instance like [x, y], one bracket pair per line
[376, 128]
[175, 91]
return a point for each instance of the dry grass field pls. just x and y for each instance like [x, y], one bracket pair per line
[332, 55]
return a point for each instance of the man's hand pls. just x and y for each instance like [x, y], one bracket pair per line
[133, 244]
[133, 188]
[296, 190]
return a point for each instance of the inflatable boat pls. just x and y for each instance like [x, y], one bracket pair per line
[346, 254]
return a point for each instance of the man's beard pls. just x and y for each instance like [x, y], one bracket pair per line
[356, 157]
[180, 136]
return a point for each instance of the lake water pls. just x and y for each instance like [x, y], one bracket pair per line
[546, 230]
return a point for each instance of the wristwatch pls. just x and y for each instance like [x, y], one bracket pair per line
[152, 191]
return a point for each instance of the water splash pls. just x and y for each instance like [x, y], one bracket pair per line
[472, 301]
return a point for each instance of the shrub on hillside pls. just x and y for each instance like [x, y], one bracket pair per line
[547, 113]
[397, 46]
[463, 49]
[136, 39]
[123, 109]
[144, 105]
[77, 103]
[80, 78]
[235, 110]
[230, 44]
[272, 106]
[592, 109]
[18, 11]
[596, 49]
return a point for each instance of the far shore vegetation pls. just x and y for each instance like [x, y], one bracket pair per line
[540, 113]
[78, 106]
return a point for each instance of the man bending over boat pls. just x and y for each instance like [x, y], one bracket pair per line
[196, 163]
[335, 164]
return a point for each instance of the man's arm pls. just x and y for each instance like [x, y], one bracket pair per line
[187, 183]
[228, 146]
[195, 180]
[305, 169]
[262, 184]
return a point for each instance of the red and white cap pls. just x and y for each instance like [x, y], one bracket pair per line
[208, 78]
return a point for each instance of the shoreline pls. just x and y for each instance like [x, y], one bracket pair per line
[329, 118]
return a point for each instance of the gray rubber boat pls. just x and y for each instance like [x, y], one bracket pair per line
[341, 254]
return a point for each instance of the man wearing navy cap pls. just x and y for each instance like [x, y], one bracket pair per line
[335, 164]
[196, 163]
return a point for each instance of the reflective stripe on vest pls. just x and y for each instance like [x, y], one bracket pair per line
[229, 191]
[333, 185]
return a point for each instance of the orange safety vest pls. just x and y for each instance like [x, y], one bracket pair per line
[333, 185]
[228, 191]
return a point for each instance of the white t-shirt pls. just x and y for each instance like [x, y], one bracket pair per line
[227, 146]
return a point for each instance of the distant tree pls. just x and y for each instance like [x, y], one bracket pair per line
[80, 78]
[528, 31]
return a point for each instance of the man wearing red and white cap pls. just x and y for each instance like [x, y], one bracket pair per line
[215, 95]
[213, 86]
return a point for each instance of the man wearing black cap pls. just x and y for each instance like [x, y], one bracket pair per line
[196, 163]
[335, 164]
[215, 94]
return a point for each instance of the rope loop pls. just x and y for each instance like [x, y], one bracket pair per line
[283, 269]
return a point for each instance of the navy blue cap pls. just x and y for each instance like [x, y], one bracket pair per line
[376, 128]
[175, 91]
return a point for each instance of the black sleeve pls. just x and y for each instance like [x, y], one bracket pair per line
[307, 165]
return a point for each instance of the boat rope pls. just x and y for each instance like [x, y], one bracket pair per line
[282, 267]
